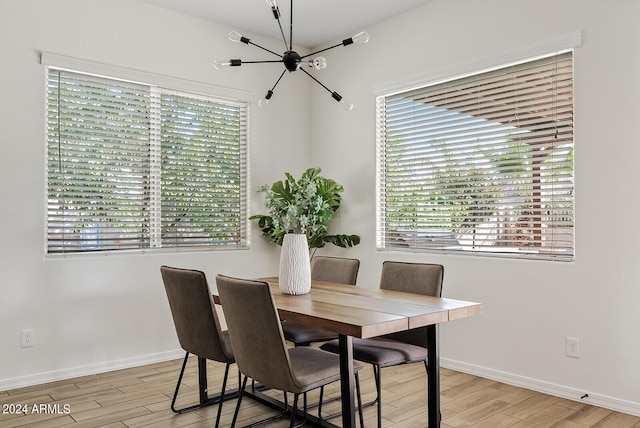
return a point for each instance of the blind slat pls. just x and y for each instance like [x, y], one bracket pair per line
[482, 164]
[125, 159]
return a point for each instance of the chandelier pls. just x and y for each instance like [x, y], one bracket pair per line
[292, 60]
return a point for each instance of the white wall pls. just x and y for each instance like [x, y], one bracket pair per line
[529, 306]
[95, 312]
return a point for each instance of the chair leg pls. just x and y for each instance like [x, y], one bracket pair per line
[377, 371]
[175, 394]
[294, 410]
[224, 387]
[240, 395]
[359, 396]
[320, 402]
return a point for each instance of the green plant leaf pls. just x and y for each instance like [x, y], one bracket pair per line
[303, 206]
[343, 241]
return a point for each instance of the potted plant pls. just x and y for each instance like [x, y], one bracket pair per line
[301, 207]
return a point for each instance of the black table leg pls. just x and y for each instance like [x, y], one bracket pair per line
[202, 380]
[346, 381]
[433, 378]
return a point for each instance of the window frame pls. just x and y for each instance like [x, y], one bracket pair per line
[168, 85]
[562, 45]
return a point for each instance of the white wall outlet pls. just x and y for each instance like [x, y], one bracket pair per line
[26, 338]
[573, 347]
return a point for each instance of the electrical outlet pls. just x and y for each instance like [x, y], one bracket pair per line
[26, 338]
[573, 347]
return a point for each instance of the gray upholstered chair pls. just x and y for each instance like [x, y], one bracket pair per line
[260, 348]
[406, 346]
[329, 269]
[197, 326]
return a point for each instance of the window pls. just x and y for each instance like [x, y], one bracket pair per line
[135, 166]
[481, 164]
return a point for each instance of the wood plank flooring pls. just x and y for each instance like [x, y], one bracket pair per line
[141, 396]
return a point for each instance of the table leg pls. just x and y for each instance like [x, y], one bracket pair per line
[202, 380]
[433, 378]
[345, 344]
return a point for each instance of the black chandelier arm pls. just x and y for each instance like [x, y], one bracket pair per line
[276, 15]
[290, 27]
[240, 62]
[345, 42]
[278, 81]
[284, 39]
[318, 82]
[249, 42]
[322, 50]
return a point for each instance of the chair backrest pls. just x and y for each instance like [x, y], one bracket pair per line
[335, 269]
[194, 314]
[417, 278]
[255, 332]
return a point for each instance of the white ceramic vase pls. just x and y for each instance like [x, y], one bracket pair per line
[295, 267]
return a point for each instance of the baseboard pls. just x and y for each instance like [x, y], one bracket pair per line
[607, 402]
[91, 369]
[500, 376]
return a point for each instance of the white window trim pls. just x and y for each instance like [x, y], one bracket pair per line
[530, 52]
[523, 53]
[64, 62]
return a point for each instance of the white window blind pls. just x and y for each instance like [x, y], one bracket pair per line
[133, 166]
[481, 164]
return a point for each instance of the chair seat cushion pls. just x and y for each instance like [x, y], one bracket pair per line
[380, 351]
[314, 368]
[226, 346]
[304, 334]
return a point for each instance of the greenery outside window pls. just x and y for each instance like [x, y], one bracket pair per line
[134, 166]
[480, 165]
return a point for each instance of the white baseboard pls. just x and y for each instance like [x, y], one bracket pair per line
[70, 373]
[497, 375]
[607, 402]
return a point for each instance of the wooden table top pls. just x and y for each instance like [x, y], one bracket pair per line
[366, 312]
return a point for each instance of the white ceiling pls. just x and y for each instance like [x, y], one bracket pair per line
[315, 22]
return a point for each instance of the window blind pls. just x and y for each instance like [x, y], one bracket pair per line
[133, 166]
[480, 164]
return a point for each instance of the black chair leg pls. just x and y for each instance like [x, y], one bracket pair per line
[240, 395]
[359, 396]
[175, 394]
[224, 387]
[320, 402]
[294, 410]
[377, 371]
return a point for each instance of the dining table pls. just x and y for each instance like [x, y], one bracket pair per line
[366, 312]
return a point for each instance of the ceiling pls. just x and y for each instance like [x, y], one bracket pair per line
[315, 22]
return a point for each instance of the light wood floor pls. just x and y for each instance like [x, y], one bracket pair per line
[140, 397]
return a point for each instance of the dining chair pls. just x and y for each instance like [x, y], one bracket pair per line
[198, 328]
[260, 348]
[330, 269]
[403, 347]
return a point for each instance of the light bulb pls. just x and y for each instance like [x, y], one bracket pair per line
[348, 105]
[274, 8]
[219, 64]
[318, 63]
[265, 101]
[234, 36]
[362, 37]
